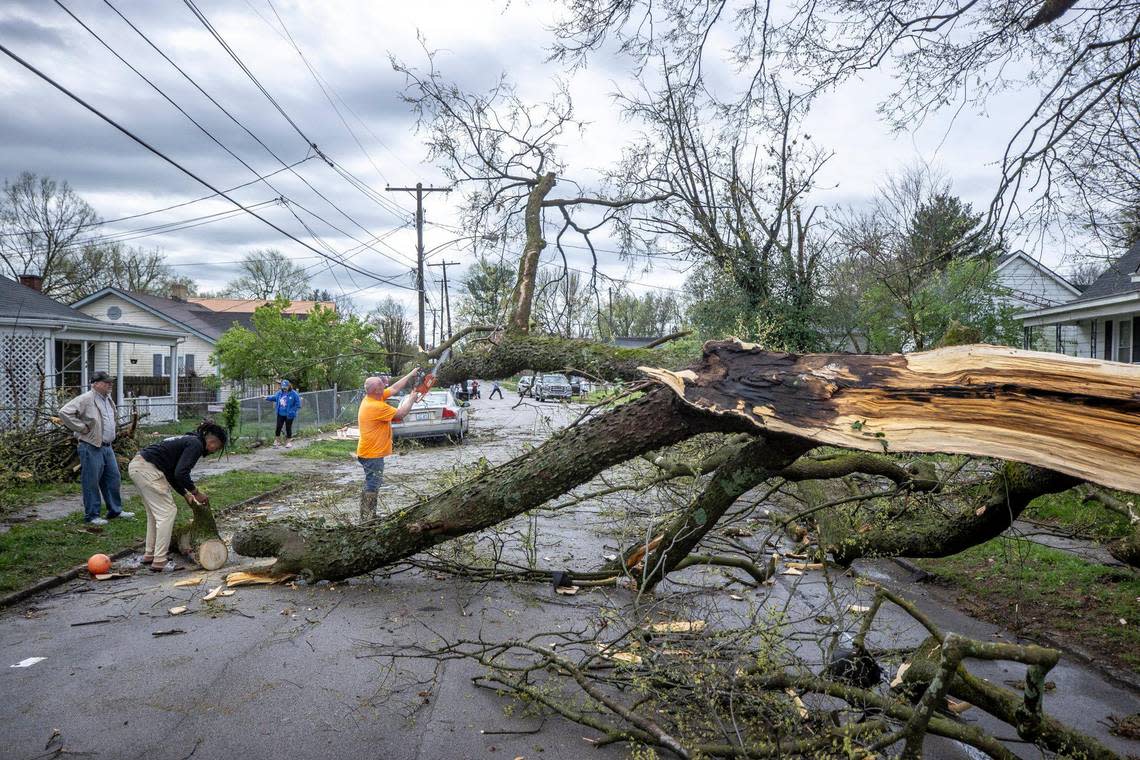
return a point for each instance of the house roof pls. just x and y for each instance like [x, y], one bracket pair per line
[1006, 258]
[20, 301]
[20, 305]
[206, 324]
[1117, 279]
[249, 305]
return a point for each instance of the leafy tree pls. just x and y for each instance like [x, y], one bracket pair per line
[486, 291]
[268, 274]
[314, 352]
[393, 331]
[647, 316]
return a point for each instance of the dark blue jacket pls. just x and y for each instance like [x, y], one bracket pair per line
[287, 403]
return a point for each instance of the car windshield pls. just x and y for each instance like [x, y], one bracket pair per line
[555, 379]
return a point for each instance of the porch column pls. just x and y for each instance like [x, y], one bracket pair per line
[49, 369]
[83, 368]
[174, 377]
[119, 373]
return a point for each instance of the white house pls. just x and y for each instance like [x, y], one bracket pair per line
[1105, 318]
[48, 352]
[1029, 284]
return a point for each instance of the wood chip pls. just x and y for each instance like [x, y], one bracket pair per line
[793, 555]
[109, 576]
[177, 610]
[248, 579]
[566, 590]
[736, 597]
[792, 571]
[626, 657]
[858, 609]
[679, 626]
[189, 582]
[213, 594]
[800, 706]
[957, 706]
[804, 565]
[226, 592]
[898, 679]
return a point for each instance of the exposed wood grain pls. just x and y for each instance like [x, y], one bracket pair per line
[1077, 416]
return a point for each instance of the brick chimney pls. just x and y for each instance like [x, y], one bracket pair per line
[33, 281]
[179, 292]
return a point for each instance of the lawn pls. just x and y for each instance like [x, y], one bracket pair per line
[334, 450]
[1033, 589]
[1066, 510]
[34, 550]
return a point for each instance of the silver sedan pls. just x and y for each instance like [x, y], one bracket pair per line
[437, 415]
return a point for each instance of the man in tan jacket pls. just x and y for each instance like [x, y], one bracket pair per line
[92, 417]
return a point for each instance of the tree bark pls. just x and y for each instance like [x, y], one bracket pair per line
[522, 298]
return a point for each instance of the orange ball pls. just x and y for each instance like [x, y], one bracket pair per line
[99, 564]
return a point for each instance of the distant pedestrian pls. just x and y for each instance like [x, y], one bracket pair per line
[495, 389]
[475, 389]
[288, 403]
[92, 417]
[161, 467]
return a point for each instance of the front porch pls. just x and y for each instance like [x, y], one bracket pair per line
[1104, 328]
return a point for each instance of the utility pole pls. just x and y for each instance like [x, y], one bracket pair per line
[434, 312]
[445, 301]
[419, 190]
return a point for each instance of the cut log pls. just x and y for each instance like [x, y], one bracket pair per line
[199, 539]
[1072, 415]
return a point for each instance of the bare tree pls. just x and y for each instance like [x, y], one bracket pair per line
[268, 274]
[42, 228]
[393, 332]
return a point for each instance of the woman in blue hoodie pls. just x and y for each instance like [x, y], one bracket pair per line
[287, 402]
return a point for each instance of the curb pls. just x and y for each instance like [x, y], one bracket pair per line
[58, 580]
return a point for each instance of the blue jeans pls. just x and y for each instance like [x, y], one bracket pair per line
[373, 473]
[100, 477]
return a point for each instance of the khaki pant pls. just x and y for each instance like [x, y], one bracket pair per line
[158, 499]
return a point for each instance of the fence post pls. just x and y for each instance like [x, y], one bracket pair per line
[317, 401]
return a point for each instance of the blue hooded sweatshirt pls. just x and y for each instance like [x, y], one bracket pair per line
[287, 401]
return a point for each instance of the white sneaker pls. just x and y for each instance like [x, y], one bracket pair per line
[288, 444]
[97, 521]
[124, 515]
[276, 445]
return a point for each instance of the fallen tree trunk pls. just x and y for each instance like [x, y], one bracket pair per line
[1076, 416]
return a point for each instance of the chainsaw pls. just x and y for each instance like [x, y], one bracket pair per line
[426, 379]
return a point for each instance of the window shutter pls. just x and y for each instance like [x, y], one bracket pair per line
[156, 365]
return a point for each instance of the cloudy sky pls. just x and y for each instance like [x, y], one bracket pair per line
[348, 44]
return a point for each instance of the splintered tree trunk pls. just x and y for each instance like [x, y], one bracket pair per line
[199, 539]
[1075, 416]
[522, 298]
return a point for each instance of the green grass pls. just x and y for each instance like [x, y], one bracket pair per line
[34, 550]
[325, 450]
[1017, 583]
[1068, 511]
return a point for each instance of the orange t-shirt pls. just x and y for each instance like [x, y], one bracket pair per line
[375, 422]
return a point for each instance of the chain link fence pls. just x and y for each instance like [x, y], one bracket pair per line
[318, 409]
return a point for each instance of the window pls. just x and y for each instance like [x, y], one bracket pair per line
[1108, 339]
[160, 364]
[1124, 341]
[114, 312]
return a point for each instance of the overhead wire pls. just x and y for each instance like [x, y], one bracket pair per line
[51, 81]
[312, 146]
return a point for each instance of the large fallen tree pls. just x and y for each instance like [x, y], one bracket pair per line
[1055, 414]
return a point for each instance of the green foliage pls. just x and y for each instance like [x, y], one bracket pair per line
[647, 316]
[485, 293]
[789, 320]
[964, 294]
[231, 413]
[313, 353]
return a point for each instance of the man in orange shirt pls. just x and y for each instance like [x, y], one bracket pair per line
[374, 418]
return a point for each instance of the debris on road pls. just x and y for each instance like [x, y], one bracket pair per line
[170, 632]
[29, 662]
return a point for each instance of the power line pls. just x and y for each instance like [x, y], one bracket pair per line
[8, 52]
[242, 126]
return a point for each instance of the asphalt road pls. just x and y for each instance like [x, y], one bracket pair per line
[279, 672]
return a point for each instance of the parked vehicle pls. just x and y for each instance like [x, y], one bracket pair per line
[437, 415]
[524, 384]
[552, 387]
